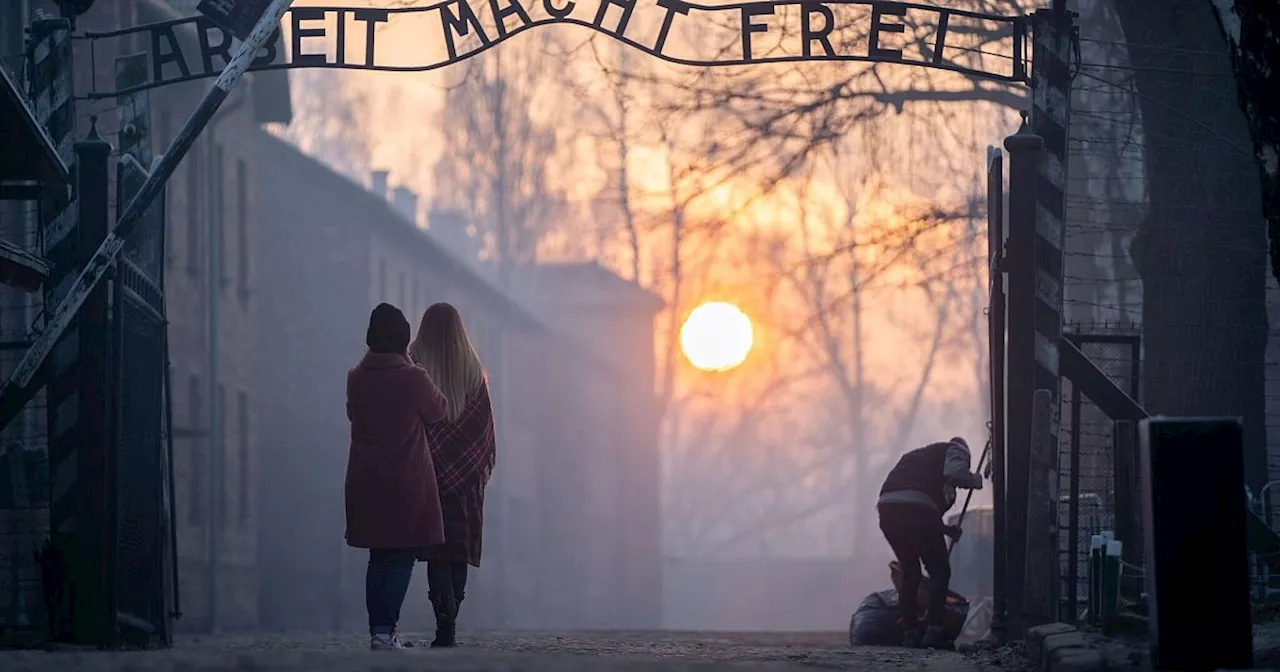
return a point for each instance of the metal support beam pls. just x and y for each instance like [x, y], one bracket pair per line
[1096, 385]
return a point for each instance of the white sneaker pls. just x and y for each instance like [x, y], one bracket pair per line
[386, 642]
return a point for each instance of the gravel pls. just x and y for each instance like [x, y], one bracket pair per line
[520, 651]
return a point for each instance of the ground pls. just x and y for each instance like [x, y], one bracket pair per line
[513, 651]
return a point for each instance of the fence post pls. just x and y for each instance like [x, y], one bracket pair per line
[996, 342]
[1128, 521]
[1040, 600]
[78, 412]
[1073, 511]
[1193, 504]
[1024, 150]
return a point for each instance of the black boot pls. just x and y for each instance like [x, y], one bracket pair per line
[446, 611]
[935, 638]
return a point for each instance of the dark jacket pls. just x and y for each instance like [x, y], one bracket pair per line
[928, 476]
[921, 470]
[391, 496]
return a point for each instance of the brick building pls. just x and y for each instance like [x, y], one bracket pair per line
[210, 288]
[572, 516]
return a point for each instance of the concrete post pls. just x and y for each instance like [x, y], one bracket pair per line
[1019, 263]
[1040, 601]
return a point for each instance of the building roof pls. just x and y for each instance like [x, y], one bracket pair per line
[586, 284]
[393, 223]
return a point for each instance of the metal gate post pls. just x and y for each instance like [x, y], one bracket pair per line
[1052, 40]
[78, 414]
[1024, 150]
[996, 342]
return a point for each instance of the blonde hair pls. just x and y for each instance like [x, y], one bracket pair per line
[444, 349]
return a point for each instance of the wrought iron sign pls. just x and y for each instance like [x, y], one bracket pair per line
[979, 45]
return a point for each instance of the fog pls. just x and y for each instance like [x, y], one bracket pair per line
[576, 215]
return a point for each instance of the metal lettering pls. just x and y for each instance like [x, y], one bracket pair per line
[808, 35]
[166, 49]
[748, 12]
[501, 13]
[879, 10]
[458, 18]
[297, 32]
[627, 7]
[458, 23]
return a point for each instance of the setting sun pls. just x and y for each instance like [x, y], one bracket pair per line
[716, 336]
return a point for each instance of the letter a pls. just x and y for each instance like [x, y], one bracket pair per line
[500, 15]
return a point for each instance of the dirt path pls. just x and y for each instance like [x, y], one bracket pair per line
[513, 651]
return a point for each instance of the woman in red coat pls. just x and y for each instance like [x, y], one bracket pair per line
[462, 449]
[393, 508]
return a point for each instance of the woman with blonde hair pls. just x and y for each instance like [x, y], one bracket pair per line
[462, 451]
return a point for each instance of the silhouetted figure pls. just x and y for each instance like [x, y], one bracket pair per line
[462, 449]
[392, 505]
[915, 495]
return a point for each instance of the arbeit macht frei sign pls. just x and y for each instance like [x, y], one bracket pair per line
[371, 38]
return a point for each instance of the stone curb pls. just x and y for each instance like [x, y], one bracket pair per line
[1058, 647]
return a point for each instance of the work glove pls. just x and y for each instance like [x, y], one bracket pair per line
[977, 482]
[952, 531]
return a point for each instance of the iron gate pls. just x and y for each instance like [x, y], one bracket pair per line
[143, 529]
[1087, 458]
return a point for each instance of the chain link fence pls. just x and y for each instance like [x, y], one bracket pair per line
[1087, 458]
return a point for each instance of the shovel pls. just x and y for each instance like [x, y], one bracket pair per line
[986, 450]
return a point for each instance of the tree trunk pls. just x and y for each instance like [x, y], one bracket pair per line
[1199, 250]
[1252, 32]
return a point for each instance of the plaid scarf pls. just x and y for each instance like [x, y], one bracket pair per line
[462, 450]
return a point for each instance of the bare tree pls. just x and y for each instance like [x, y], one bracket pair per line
[326, 123]
[497, 158]
[1200, 250]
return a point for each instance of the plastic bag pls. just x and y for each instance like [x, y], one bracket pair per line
[875, 623]
[977, 625]
[957, 607]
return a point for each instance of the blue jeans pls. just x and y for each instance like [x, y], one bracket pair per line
[385, 583]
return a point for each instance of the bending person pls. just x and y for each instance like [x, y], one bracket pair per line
[462, 448]
[392, 505]
[915, 495]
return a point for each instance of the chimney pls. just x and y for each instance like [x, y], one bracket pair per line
[406, 203]
[449, 227]
[379, 180]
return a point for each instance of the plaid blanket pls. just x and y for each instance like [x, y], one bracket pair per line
[462, 450]
[463, 453]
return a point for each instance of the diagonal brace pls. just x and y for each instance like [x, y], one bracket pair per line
[1096, 385]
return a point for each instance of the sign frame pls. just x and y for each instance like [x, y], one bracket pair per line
[172, 62]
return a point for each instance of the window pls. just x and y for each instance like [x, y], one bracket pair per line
[242, 429]
[382, 280]
[221, 448]
[192, 161]
[242, 228]
[217, 210]
[195, 421]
